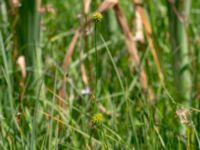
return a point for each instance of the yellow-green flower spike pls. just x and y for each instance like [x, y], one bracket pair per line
[97, 118]
[97, 16]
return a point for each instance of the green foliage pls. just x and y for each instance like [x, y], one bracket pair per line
[124, 116]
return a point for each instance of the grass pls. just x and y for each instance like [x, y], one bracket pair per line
[33, 113]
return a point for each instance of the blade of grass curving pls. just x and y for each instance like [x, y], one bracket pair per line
[34, 120]
[113, 63]
[8, 79]
[50, 132]
[123, 90]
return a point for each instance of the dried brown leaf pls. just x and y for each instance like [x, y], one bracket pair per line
[139, 36]
[130, 45]
[22, 65]
[62, 95]
[47, 9]
[183, 115]
[148, 30]
[106, 4]
[87, 4]
[70, 50]
[84, 76]
[66, 62]
[15, 3]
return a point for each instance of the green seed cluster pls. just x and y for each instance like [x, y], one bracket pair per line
[97, 118]
[97, 17]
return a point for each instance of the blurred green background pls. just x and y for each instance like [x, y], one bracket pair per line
[35, 113]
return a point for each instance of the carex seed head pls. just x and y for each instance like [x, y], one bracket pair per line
[97, 118]
[97, 16]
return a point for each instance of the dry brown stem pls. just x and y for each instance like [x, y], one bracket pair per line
[131, 45]
[148, 30]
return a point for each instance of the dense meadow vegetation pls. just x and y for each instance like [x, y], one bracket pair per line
[99, 74]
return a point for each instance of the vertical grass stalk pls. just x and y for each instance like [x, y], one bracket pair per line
[96, 53]
[97, 17]
[7, 78]
[28, 35]
[179, 16]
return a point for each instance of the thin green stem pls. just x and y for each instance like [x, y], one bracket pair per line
[95, 44]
